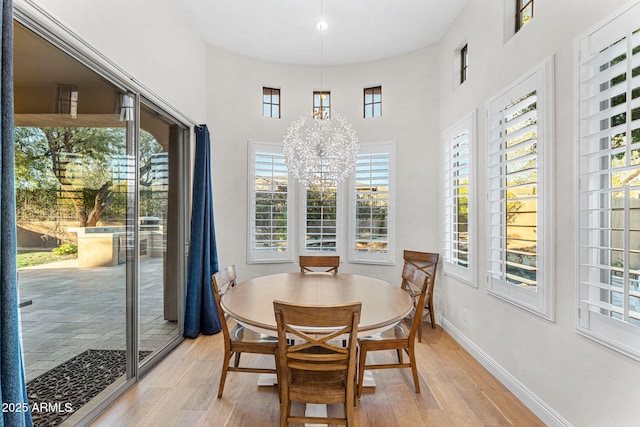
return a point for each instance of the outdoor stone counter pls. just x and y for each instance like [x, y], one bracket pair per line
[105, 246]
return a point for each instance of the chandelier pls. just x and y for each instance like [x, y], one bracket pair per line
[320, 150]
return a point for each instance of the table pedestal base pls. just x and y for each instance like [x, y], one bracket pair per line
[313, 409]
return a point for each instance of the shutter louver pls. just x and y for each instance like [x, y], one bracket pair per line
[610, 192]
[459, 208]
[372, 203]
[269, 205]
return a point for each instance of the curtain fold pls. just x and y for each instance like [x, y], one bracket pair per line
[12, 378]
[201, 315]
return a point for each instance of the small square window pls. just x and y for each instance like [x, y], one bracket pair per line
[322, 105]
[271, 102]
[524, 13]
[373, 102]
[464, 63]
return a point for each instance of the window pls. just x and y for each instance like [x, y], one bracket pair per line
[609, 171]
[322, 104]
[464, 63]
[373, 102]
[459, 199]
[269, 204]
[322, 215]
[524, 13]
[271, 102]
[372, 204]
[519, 196]
[320, 218]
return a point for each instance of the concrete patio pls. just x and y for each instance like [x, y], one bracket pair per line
[75, 309]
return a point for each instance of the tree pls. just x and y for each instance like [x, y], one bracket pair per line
[89, 165]
[79, 159]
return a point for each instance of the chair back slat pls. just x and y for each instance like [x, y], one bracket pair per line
[328, 264]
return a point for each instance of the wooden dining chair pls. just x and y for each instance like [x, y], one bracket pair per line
[315, 369]
[401, 337]
[237, 338]
[308, 264]
[427, 262]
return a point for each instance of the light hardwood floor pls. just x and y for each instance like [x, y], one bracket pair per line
[456, 391]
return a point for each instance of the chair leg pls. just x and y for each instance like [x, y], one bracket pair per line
[399, 352]
[349, 412]
[223, 373]
[414, 368]
[236, 361]
[361, 367]
[433, 320]
[285, 408]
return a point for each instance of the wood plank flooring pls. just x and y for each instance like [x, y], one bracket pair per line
[456, 391]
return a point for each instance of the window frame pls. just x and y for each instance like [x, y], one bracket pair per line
[468, 125]
[521, 6]
[464, 62]
[302, 222]
[320, 109]
[540, 301]
[372, 91]
[592, 320]
[253, 256]
[388, 257]
[271, 104]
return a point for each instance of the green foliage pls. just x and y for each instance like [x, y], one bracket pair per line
[81, 171]
[31, 258]
[66, 249]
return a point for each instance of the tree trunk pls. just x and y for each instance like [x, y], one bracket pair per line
[102, 201]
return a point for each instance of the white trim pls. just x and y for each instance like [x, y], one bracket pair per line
[612, 333]
[254, 257]
[515, 386]
[540, 301]
[467, 275]
[302, 221]
[387, 258]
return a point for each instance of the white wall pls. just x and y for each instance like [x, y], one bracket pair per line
[583, 382]
[577, 380]
[155, 45]
[410, 117]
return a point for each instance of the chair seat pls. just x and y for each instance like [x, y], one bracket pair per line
[240, 333]
[399, 331]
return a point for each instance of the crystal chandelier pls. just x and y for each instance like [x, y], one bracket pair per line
[320, 150]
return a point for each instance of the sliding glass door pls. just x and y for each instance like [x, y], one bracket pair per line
[101, 229]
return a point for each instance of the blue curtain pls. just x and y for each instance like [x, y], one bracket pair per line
[12, 383]
[201, 315]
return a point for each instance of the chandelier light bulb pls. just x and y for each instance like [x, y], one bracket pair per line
[322, 25]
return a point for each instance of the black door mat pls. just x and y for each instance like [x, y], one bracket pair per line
[57, 394]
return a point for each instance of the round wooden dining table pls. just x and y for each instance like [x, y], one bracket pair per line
[251, 302]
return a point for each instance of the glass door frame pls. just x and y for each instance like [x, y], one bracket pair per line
[54, 32]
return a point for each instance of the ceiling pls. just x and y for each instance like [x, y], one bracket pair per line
[285, 30]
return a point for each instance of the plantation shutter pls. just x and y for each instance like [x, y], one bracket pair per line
[269, 205]
[320, 218]
[519, 233]
[609, 240]
[372, 204]
[458, 199]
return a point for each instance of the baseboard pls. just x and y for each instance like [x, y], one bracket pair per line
[526, 396]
